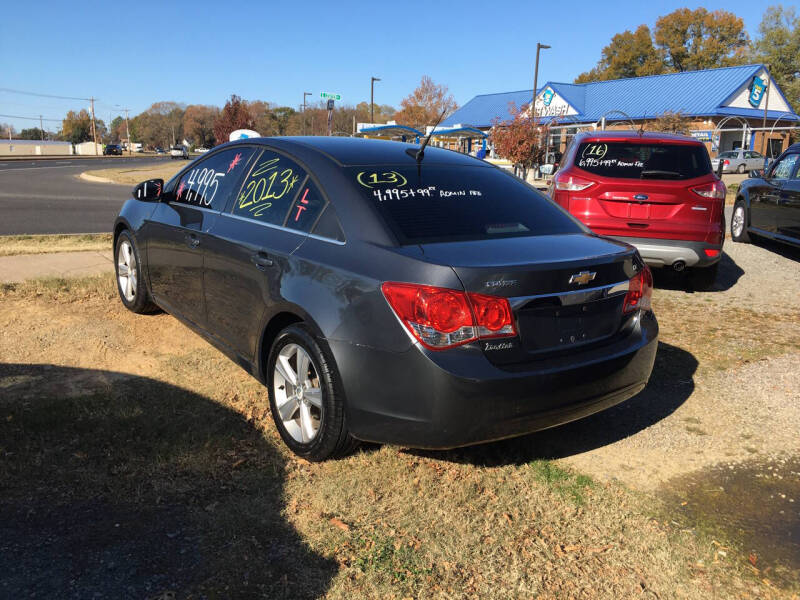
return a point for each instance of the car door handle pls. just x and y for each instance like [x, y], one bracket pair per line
[261, 260]
[192, 240]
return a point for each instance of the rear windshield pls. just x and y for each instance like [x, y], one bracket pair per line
[643, 161]
[457, 203]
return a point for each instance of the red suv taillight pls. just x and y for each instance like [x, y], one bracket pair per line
[571, 183]
[443, 318]
[715, 189]
[639, 292]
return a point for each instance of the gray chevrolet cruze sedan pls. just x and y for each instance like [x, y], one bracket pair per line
[385, 294]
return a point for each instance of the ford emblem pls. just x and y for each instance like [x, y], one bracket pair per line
[640, 197]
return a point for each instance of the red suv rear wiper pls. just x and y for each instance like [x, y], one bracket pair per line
[656, 174]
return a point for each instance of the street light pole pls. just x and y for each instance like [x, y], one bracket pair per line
[539, 47]
[304, 110]
[372, 81]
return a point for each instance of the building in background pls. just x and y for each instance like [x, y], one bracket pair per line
[34, 148]
[727, 108]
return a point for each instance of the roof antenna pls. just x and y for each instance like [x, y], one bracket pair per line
[420, 154]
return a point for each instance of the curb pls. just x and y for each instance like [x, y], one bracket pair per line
[85, 176]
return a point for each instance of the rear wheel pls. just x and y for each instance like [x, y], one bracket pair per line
[740, 169]
[739, 222]
[305, 398]
[130, 281]
[703, 278]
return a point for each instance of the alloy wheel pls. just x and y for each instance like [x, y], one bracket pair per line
[298, 397]
[126, 270]
[737, 223]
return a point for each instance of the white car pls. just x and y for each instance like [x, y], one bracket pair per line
[178, 152]
[738, 161]
[201, 150]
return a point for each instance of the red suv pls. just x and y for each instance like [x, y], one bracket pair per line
[656, 191]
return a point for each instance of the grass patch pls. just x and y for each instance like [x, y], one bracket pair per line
[11, 245]
[160, 452]
[57, 289]
[131, 176]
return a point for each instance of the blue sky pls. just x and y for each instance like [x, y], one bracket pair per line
[135, 53]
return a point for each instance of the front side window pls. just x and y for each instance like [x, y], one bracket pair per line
[630, 160]
[209, 183]
[270, 189]
[785, 167]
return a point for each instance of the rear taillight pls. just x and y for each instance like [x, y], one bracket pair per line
[715, 189]
[571, 183]
[443, 318]
[639, 292]
[726, 162]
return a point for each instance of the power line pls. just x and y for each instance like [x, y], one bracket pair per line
[31, 118]
[43, 95]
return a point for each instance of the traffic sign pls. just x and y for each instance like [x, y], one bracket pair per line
[330, 96]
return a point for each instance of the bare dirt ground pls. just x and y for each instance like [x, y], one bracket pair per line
[135, 460]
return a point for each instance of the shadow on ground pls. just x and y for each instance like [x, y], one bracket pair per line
[784, 250]
[670, 385]
[118, 486]
[728, 275]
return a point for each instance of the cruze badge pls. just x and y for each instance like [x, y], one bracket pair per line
[582, 278]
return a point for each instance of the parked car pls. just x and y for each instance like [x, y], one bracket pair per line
[768, 203]
[656, 191]
[114, 149]
[432, 304]
[160, 150]
[178, 152]
[738, 161]
[201, 150]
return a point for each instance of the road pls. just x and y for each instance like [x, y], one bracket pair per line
[46, 196]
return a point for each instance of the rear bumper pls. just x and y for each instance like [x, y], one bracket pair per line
[448, 399]
[665, 253]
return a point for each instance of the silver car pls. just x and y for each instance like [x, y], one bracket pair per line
[738, 161]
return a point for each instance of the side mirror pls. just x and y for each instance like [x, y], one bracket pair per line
[149, 191]
[756, 174]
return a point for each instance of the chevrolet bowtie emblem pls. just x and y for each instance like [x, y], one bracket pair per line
[582, 278]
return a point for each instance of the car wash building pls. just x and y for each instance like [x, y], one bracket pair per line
[726, 108]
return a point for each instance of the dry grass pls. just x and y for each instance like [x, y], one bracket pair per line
[132, 175]
[148, 441]
[11, 245]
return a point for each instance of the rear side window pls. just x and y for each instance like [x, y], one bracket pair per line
[643, 161]
[452, 203]
[270, 188]
[306, 208]
[209, 183]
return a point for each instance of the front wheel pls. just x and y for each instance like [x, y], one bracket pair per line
[305, 396]
[739, 222]
[130, 282]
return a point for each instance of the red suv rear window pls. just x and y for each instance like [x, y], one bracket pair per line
[630, 160]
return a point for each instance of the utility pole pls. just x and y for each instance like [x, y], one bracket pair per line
[764, 122]
[304, 110]
[94, 128]
[128, 131]
[372, 81]
[41, 127]
[539, 47]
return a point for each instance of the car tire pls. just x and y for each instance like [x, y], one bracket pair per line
[739, 218]
[131, 285]
[740, 169]
[703, 278]
[309, 412]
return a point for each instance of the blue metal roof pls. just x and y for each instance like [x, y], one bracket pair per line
[695, 93]
[464, 132]
[392, 130]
